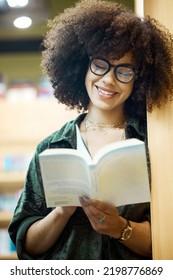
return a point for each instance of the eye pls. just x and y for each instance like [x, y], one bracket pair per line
[100, 63]
[125, 71]
[100, 66]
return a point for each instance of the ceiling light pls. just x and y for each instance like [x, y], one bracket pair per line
[22, 22]
[17, 3]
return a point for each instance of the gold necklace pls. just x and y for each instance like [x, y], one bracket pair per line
[104, 127]
[92, 125]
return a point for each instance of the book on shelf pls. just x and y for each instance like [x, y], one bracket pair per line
[21, 91]
[118, 174]
[8, 201]
[6, 245]
[14, 163]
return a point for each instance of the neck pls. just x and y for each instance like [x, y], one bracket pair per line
[105, 125]
[106, 117]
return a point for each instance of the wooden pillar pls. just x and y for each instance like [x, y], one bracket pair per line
[160, 133]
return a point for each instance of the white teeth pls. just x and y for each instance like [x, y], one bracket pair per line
[105, 92]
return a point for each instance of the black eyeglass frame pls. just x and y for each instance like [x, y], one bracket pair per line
[127, 65]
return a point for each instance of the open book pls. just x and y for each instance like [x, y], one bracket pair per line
[117, 174]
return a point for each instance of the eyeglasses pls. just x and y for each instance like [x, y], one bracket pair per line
[124, 73]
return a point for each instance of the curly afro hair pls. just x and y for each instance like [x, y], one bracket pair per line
[107, 29]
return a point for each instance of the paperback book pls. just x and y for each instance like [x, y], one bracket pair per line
[118, 174]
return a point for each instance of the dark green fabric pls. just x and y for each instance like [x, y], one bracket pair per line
[78, 240]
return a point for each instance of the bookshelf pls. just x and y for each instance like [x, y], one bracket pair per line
[25, 123]
[11, 183]
[5, 217]
[12, 256]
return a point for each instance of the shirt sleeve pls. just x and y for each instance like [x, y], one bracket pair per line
[30, 208]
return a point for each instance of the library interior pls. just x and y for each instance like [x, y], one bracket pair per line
[29, 111]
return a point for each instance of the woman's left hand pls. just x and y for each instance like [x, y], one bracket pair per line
[103, 217]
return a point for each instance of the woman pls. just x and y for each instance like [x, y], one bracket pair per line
[102, 59]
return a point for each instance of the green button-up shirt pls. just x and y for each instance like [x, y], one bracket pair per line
[78, 239]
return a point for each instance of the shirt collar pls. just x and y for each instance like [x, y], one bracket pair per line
[67, 132]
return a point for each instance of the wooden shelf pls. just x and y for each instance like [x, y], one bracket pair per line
[12, 256]
[5, 218]
[11, 181]
[27, 123]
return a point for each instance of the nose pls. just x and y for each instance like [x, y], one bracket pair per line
[109, 78]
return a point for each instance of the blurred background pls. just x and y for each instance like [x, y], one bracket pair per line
[19, 46]
[29, 112]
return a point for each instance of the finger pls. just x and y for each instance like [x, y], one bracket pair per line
[90, 209]
[97, 223]
[94, 215]
[101, 205]
[101, 222]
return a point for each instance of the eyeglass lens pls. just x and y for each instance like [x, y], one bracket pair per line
[123, 73]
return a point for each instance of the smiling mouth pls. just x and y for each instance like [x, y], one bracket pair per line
[106, 92]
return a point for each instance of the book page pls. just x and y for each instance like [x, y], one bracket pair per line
[65, 179]
[123, 176]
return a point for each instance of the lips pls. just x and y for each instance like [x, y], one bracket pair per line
[106, 92]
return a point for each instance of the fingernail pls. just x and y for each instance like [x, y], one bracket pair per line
[86, 198]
